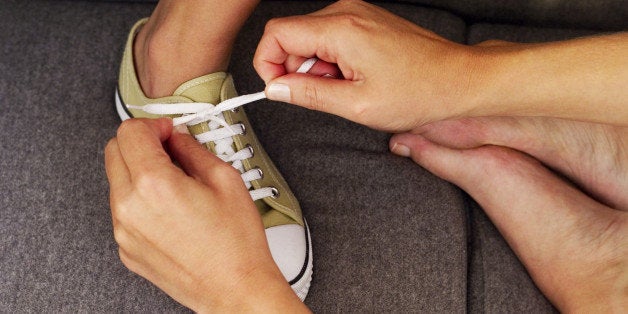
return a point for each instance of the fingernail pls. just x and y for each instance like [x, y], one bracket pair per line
[400, 150]
[181, 128]
[279, 92]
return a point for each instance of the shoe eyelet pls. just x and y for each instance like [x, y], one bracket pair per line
[250, 148]
[275, 193]
[261, 173]
[242, 126]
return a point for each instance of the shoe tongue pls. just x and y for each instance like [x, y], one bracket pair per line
[203, 89]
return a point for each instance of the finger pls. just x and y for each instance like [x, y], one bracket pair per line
[335, 96]
[140, 144]
[195, 159]
[117, 172]
[320, 67]
[302, 36]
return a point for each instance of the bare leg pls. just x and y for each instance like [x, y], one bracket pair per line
[573, 246]
[187, 39]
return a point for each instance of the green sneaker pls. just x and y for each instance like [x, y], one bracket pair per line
[226, 131]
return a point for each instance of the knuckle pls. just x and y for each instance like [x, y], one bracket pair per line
[126, 260]
[120, 237]
[126, 125]
[149, 181]
[360, 110]
[272, 24]
[352, 21]
[312, 98]
[347, 3]
[225, 173]
[120, 211]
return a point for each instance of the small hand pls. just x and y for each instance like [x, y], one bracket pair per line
[192, 231]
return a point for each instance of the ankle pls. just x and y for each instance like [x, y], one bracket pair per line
[164, 59]
[148, 56]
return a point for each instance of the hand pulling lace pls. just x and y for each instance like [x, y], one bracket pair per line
[220, 132]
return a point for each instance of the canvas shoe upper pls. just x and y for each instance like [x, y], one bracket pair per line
[229, 134]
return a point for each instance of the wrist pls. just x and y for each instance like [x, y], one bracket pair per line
[260, 290]
[578, 79]
[491, 79]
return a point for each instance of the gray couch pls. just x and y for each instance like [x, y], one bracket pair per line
[387, 235]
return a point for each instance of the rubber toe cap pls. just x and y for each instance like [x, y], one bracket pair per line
[288, 248]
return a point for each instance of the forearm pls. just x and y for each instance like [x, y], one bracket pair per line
[582, 79]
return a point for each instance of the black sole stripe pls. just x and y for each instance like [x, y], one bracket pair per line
[307, 257]
[123, 104]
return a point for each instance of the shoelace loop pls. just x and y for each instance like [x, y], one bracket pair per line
[220, 132]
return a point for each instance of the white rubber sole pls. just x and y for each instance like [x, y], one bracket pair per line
[303, 281]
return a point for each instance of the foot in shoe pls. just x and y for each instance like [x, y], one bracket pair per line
[225, 130]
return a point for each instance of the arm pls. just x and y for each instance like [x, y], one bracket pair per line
[583, 79]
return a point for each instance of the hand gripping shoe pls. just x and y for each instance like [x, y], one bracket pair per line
[225, 130]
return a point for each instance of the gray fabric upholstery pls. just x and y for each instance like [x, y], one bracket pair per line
[388, 236]
[599, 14]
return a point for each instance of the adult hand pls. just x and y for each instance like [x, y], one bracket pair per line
[396, 74]
[194, 232]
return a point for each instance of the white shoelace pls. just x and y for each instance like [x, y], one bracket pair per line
[220, 132]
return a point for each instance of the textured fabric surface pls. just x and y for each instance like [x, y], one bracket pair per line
[597, 14]
[387, 235]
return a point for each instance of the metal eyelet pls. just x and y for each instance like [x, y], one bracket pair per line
[261, 173]
[243, 127]
[250, 148]
[275, 193]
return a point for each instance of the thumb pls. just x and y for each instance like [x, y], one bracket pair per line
[335, 96]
